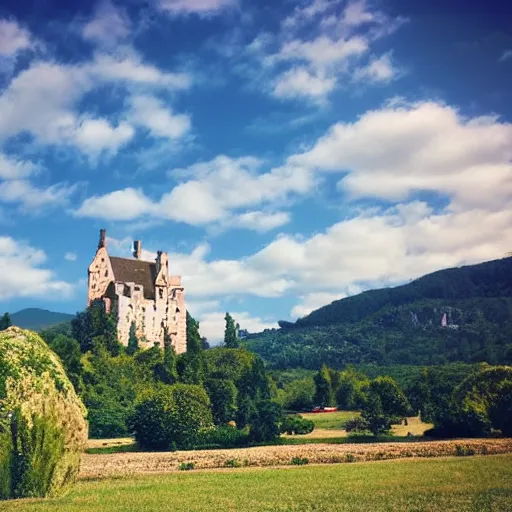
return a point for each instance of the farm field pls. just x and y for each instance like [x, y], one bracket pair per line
[108, 465]
[457, 484]
[330, 420]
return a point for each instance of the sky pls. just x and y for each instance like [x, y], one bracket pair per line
[284, 153]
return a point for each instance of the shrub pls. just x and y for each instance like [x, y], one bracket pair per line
[221, 437]
[464, 451]
[296, 424]
[42, 421]
[264, 423]
[187, 466]
[300, 461]
[232, 463]
[171, 417]
[357, 425]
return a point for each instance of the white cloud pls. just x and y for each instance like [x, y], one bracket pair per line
[299, 82]
[217, 192]
[425, 146]
[70, 256]
[13, 168]
[13, 38]
[201, 7]
[212, 325]
[129, 68]
[126, 204]
[93, 136]
[31, 198]
[109, 25]
[260, 221]
[21, 275]
[380, 69]
[312, 301]
[158, 118]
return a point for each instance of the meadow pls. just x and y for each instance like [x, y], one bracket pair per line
[458, 484]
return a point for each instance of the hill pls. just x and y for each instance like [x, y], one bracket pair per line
[404, 325]
[37, 319]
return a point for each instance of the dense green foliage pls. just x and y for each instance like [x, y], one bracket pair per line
[170, 417]
[42, 425]
[230, 333]
[296, 424]
[402, 325]
[479, 405]
[5, 321]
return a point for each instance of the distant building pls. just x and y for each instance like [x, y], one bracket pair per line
[145, 295]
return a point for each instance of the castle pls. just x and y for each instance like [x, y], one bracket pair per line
[145, 295]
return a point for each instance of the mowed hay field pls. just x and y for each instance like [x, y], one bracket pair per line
[455, 484]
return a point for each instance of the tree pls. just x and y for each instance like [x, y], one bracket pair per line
[5, 322]
[323, 390]
[230, 333]
[68, 350]
[264, 423]
[298, 395]
[194, 341]
[171, 417]
[223, 394]
[385, 404]
[133, 341]
[167, 371]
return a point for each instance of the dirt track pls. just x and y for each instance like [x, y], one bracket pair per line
[119, 464]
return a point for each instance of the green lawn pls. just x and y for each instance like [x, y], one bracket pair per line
[458, 484]
[330, 419]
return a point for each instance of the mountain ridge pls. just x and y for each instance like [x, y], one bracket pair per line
[404, 324]
[37, 319]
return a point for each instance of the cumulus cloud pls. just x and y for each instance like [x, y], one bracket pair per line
[160, 120]
[109, 26]
[32, 199]
[321, 46]
[13, 38]
[70, 256]
[425, 146]
[200, 7]
[14, 168]
[215, 191]
[21, 274]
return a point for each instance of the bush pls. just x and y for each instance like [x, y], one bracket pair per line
[170, 417]
[232, 463]
[464, 451]
[264, 423]
[296, 424]
[221, 437]
[42, 421]
[357, 425]
[300, 461]
[187, 466]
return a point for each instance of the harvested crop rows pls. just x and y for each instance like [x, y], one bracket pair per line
[120, 464]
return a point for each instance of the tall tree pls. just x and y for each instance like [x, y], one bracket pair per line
[5, 322]
[133, 341]
[167, 371]
[194, 342]
[230, 333]
[323, 389]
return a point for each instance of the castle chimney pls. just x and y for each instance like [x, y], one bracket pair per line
[137, 249]
[103, 234]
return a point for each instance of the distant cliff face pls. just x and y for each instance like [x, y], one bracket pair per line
[462, 314]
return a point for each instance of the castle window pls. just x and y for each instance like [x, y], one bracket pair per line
[137, 288]
[161, 293]
[177, 310]
[106, 273]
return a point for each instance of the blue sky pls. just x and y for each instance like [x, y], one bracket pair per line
[285, 154]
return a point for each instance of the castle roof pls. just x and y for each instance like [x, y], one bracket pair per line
[135, 271]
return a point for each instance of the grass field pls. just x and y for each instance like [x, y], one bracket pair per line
[330, 420]
[467, 484]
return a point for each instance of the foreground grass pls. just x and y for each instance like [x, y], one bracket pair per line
[481, 483]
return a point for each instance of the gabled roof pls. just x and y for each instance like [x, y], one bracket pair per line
[135, 271]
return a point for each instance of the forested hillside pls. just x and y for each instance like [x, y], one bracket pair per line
[460, 314]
